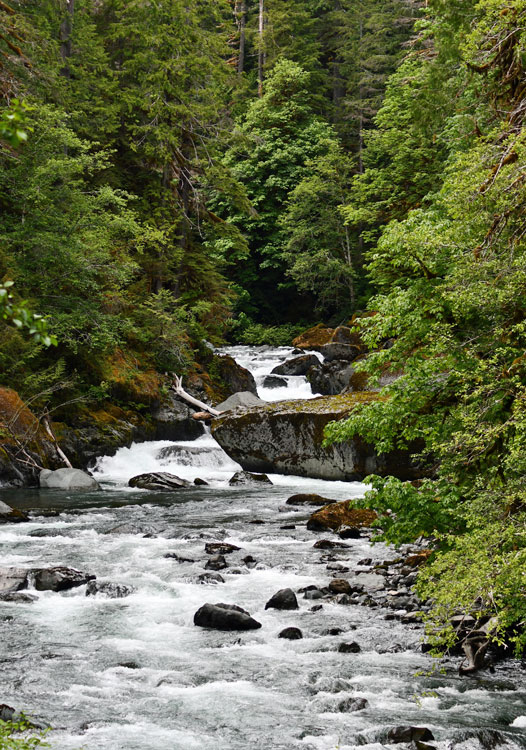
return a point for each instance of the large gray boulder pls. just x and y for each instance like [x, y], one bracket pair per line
[242, 399]
[67, 479]
[11, 515]
[287, 438]
[59, 578]
[13, 579]
[330, 378]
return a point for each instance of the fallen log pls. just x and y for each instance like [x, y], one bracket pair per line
[177, 387]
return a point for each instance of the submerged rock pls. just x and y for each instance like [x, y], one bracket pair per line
[225, 617]
[220, 548]
[159, 481]
[246, 477]
[351, 705]
[18, 597]
[287, 437]
[274, 381]
[283, 599]
[349, 648]
[217, 562]
[67, 479]
[11, 515]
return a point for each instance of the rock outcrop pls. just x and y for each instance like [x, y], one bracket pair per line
[160, 481]
[287, 438]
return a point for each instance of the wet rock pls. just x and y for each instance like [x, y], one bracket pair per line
[283, 599]
[313, 594]
[225, 617]
[330, 378]
[178, 558]
[316, 608]
[309, 499]
[11, 515]
[212, 578]
[341, 515]
[288, 527]
[13, 579]
[200, 482]
[6, 712]
[351, 705]
[365, 562]
[274, 381]
[257, 522]
[108, 590]
[246, 477]
[349, 532]
[250, 561]
[287, 437]
[291, 634]
[349, 648]
[216, 562]
[244, 399]
[236, 378]
[340, 586]
[59, 578]
[220, 548]
[174, 421]
[18, 597]
[297, 365]
[337, 567]
[159, 481]
[409, 734]
[67, 479]
[132, 528]
[329, 544]
[335, 351]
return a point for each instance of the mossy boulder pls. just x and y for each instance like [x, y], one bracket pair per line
[287, 437]
[130, 378]
[339, 515]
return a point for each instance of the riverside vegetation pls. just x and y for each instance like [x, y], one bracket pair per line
[175, 172]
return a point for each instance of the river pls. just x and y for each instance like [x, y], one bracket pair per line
[136, 674]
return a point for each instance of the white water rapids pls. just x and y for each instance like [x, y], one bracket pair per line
[136, 674]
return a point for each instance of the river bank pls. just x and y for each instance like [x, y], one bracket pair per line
[134, 673]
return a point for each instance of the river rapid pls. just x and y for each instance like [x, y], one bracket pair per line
[136, 674]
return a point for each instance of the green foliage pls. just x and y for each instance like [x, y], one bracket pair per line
[244, 331]
[13, 127]
[20, 735]
[450, 277]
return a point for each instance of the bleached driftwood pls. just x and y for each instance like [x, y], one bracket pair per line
[51, 435]
[177, 387]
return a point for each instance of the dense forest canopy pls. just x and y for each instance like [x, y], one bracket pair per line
[176, 171]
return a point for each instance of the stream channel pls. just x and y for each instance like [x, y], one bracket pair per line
[136, 674]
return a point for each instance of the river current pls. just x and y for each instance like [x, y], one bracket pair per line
[136, 674]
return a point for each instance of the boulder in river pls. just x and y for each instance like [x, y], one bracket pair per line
[331, 378]
[409, 734]
[67, 479]
[349, 648]
[351, 705]
[309, 499]
[13, 579]
[11, 515]
[108, 589]
[291, 634]
[159, 481]
[283, 599]
[241, 399]
[225, 617]
[246, 477]
[220, 548]
[339, 515]
[297, 365]
[174, 420]
[59, 578]
[287, 437]
[274, 381]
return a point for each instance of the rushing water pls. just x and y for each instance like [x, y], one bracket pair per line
[136, 674]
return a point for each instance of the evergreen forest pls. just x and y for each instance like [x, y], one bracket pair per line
[177, 172]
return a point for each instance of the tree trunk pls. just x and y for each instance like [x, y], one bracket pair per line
[241, 18]
[66, 28]
[261, 56]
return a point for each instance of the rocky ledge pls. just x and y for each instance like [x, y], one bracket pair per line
[287, 437]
